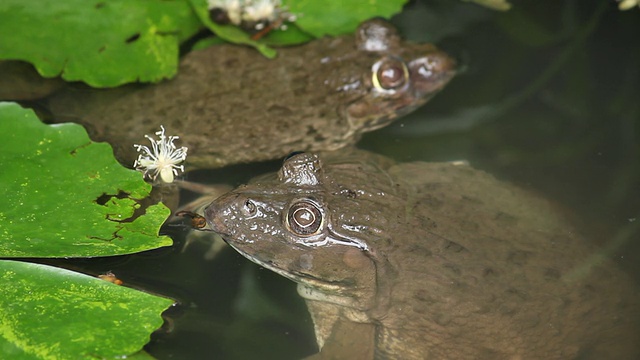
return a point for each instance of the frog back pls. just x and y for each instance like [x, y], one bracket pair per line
[488, 270]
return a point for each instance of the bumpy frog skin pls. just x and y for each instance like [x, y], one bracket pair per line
[228, 104]
[443, 261]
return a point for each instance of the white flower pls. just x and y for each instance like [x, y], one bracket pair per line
[628, 4]
[256, 13]
[162, 159]
[259, 10]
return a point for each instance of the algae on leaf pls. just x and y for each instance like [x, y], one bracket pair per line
[103, 43]
[62, 195]
[52, 313]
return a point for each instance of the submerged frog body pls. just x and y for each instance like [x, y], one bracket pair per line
[430, 261]
[228, 104]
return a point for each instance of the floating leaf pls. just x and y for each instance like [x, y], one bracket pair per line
[502, 5]
[63, 195]
[314, 19]
[291, 36]
[52, 313]
[320, 18]
[103, 43]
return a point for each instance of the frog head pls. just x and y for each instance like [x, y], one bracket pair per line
[397, 76]
[311, 225]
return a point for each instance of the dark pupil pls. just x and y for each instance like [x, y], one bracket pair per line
[304, 218]
[390, 75]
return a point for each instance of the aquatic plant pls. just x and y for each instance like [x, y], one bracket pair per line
[162, 159]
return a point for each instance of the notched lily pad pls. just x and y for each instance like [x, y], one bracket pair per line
[52, 313]
[103, 43]
[66, 196]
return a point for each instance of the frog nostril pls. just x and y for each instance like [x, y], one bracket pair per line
[249, 208]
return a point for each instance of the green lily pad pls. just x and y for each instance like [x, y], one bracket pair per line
[103, 43]
[52, 313]
[63, 195]
[293, 35]
[320, 18]
[314, 19]
[502, 5]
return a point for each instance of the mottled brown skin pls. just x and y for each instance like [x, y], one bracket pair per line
[445, 261]
[229, 104]
[20, 81]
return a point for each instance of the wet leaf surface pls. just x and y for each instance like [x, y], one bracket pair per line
[320, 18]
[103, 43]
[52, 313]
[66, 196]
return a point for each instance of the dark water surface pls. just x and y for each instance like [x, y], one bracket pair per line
[549, 98]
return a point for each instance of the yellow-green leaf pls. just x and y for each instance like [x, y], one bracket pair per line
[62, 195]
[52, 313]
[103, 43]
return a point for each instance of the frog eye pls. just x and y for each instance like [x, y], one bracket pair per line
[249, 208]
[304, 218]
[389, 74]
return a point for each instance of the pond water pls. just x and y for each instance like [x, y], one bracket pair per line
[548, 98]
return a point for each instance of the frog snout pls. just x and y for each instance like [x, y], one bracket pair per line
[432, 72]
[220, 212]
[212, 214]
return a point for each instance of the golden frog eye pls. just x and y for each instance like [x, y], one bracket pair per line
[389, 73]
[304, 218]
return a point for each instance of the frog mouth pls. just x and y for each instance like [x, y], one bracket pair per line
[294, 275]
[313, 288]
[315, 282]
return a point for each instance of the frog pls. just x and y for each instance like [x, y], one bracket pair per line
[20, 81]
[230, 105]
[430, 260]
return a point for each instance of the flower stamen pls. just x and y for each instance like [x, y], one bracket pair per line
[162, 159]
